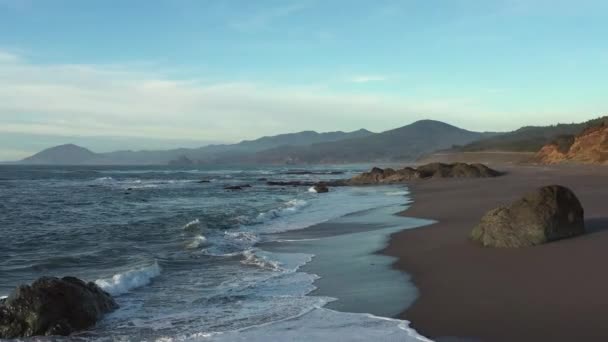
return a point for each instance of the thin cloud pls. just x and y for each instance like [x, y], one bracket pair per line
[100, 100]
[368, 78]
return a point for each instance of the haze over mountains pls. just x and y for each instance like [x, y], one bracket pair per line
[404, 143]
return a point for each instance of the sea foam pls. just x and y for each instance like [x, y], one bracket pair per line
[191, 225]
[122, 283]
[290, 207]
[259, 260]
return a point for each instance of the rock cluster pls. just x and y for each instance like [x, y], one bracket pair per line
[53, 306]
[433, 170]
[547, 214]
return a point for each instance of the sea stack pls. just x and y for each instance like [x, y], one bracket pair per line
[550, 213]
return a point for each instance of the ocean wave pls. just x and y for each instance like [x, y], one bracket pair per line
[312, 189]
[397, 193]
[122, 283]
[104, 179]
[198, 241]
[260, 261]
[192, 225]
[241, 236]
[291, 207]
[317, 324]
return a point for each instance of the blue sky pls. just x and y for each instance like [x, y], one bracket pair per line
[148, 74]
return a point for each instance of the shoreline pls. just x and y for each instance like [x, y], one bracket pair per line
[348, 261]
[551, 292]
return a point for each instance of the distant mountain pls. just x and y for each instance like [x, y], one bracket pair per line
[229, 153]
[405, 143]
[526, 139]
[68, 154]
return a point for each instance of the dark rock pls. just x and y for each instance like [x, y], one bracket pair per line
[290, 183]
[204, 181]
[237, 187]
[433, 170]
[304, 172]
[53, 306]
[321, 188]
[547, 214]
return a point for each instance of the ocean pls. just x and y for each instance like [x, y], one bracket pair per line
[188, 260]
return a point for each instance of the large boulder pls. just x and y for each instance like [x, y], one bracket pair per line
[547, 214]
[53, 306]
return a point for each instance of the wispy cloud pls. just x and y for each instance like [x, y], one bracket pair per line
[368, 78]
[65, 99]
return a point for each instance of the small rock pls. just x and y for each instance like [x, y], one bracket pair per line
[321, 188]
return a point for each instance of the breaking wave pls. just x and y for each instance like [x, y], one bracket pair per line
[122, 283]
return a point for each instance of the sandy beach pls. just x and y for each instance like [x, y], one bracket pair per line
[553, 292]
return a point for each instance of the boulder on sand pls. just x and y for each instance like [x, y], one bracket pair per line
[53, 306]
[547, 214]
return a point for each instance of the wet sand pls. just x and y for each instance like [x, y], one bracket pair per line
[349, 270]
[554, 292]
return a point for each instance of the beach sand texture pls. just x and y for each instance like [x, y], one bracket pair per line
[553, 292]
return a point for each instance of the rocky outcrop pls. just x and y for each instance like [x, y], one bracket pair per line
[590, 147]
[433, 170]
[547, 214]
[53, 306]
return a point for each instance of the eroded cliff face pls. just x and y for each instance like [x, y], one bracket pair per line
[550, 154]
[591, 147]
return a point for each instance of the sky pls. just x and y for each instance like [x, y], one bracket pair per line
[114, 74]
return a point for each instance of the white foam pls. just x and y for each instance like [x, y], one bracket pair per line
[198, 241]
[192, 224]
[104, 179]
[3, 297]
[312, 189]
[261, 261]
[290, 207]
[335, 204]
[318, 324]
[398, 193]
[122, 283]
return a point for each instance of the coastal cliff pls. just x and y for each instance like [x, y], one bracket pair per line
[589, 147]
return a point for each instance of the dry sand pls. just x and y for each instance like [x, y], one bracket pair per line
[554, 292]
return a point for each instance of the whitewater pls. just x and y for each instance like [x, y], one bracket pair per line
[182, 257]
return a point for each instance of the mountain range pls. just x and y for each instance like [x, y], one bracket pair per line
[407, 143]
[308, 147]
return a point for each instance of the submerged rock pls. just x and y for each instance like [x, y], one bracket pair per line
[53, 306]
[547, 214]
[237, 187]
[321, 188]
[433, 170]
